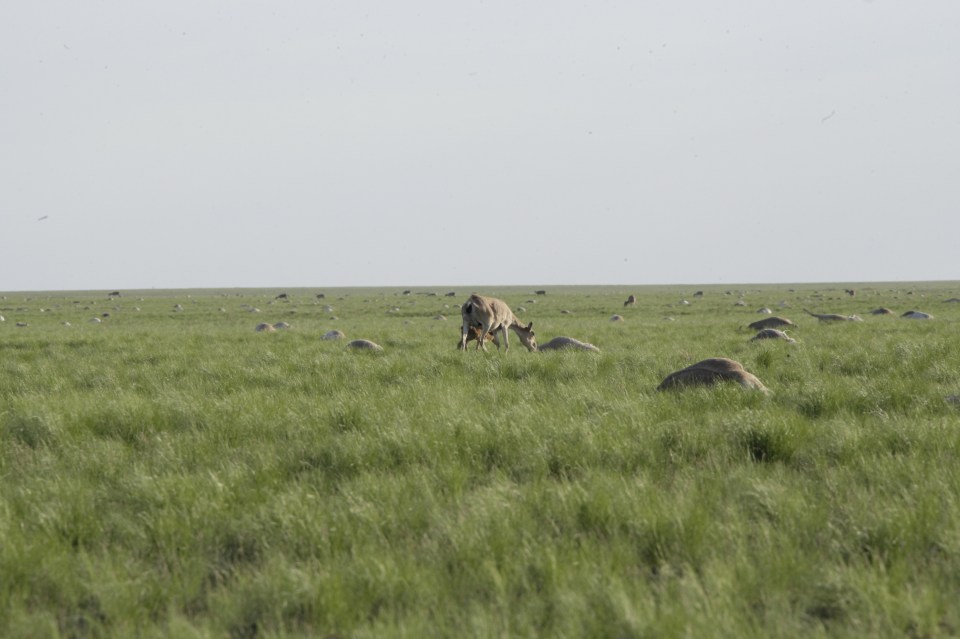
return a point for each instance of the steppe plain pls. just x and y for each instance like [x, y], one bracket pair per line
[166, 470]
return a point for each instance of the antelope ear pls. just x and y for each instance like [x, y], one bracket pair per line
[530, 326]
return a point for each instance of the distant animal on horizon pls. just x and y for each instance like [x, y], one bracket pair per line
[491, 315]
[833, 317]
[849, 291]
[631, 301]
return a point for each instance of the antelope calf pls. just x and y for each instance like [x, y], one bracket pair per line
[474, 334]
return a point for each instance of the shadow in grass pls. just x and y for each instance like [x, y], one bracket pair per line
[30, 431]
[764, 445]
[347, 418]
[84, 619]
[829, 603]
[134, 423]
[817, 404]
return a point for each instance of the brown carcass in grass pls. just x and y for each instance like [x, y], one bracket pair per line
[833, 317]
[770, 322]
[712, 371]
[556, 344]
[772, 333]
[364, 345]
[883, 310]
[492, 315]
[567, 343]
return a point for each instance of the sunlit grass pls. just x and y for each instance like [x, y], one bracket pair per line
[173, 473]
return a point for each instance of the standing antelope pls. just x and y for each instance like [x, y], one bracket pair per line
[493, 315]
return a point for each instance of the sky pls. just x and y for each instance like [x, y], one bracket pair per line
[212, 144]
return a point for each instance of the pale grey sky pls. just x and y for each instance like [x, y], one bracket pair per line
[309, 143]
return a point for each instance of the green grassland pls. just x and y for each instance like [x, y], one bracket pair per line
[172, 472]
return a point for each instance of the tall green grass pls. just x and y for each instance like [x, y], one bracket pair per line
[173, 473]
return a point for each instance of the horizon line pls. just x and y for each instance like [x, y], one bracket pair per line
[411, 287]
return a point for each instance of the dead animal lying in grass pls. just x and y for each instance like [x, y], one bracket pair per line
[332, 335]
[567, 343]
[770, 322]
[916, 315]
[832, 317]
[711, 371]
[772, 333]
[265, 328]
[882, 311]
[364, 344]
